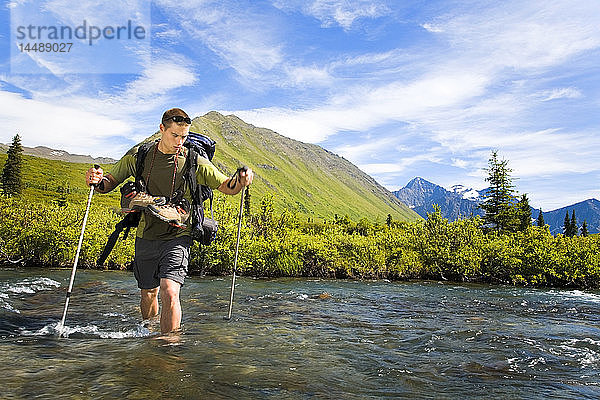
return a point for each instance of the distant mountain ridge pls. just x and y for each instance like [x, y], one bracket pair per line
[420, 195]
[62, 155]
[587, 210]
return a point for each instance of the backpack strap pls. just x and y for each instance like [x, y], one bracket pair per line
[130, 220]
[139, 164]
[195, 189]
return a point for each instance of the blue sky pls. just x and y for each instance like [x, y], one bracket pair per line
[399, 88]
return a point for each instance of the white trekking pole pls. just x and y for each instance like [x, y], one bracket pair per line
[237, 244]
[69, 290]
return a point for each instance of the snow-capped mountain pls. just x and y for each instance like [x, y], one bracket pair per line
[461, 202]
[421, 195]
[468, 193]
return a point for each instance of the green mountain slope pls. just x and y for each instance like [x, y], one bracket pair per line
[56, 180]
[301, 177]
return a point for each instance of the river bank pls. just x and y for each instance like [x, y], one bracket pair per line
[280, 245]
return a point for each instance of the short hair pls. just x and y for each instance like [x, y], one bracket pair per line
[173, 112]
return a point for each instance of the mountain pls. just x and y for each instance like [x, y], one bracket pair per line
[52, 154]
[421, 195]
[301, 177]
[587, 210]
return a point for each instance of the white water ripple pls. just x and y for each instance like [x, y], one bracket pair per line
[25, 286]
[30, 285]
[89, 331]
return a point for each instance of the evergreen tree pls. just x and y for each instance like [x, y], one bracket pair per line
[12, 182]
[584, 229]
[540, 219]
[524, 213]
[388, 221]
[567, 225]
[499, 208]
[570, 225]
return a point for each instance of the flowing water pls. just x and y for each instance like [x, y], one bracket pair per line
[297, 339]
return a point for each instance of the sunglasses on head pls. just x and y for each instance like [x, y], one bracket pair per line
[179, 118]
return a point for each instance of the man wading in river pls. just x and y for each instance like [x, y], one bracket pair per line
[162, 244]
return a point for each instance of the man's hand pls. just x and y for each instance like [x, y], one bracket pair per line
[93, 176]
[245, 177]
[239, 180]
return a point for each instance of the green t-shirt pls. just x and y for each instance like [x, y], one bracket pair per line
[158, 174]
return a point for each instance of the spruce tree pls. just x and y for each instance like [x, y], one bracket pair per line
[567, 225]
[570, 225]
[499, 208]
[540, 219]
[12, 182]
[388, 220]
[574, 229]
[524, 213]
[584, 229]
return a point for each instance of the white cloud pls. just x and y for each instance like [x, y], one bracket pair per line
[294, 124]
[61, 107]
[400, 166]
[337, 12]
[521, 35]
[560, 93]
[166, 32]
[160, 77]
[367, 108]
[243, 40]
[57, 126]
[100, 14]
[364, 151]
[459, 163]
[381, 168]
[432, 28]
[344, 13]
[302, 75]
[256, 46]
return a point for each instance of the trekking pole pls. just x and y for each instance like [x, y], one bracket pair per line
[87, 210]
[237, 245]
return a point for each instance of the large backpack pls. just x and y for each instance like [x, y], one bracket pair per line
[197, 144]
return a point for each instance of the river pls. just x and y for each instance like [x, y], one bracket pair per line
[297, 339]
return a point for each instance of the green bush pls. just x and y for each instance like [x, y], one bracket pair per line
[45, 233]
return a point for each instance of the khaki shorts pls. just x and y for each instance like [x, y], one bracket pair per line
[157, 259]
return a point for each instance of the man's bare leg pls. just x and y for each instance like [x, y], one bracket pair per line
[170, 316]
[149, 303]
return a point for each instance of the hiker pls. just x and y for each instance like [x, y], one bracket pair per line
[162, 245]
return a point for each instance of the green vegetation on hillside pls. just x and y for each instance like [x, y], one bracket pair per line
[59, 181]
